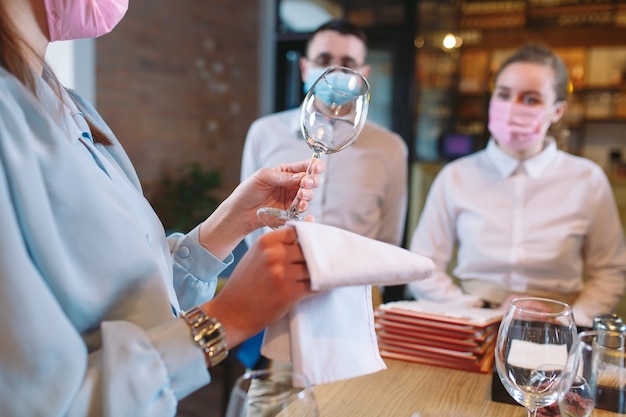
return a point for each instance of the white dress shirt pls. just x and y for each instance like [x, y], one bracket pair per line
[536, 225]
[364, 188]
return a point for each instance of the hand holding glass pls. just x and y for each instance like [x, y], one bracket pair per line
[532, 349]
[332, 115]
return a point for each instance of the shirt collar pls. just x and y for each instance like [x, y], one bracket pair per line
[506, 164]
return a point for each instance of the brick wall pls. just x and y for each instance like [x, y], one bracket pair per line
[177, 82]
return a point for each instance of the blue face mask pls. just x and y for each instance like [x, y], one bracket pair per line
[343, 92]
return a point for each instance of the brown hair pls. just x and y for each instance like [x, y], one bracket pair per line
[341, 26]
[543, 55]
[13, 60]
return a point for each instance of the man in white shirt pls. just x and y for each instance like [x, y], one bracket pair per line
[365, 186]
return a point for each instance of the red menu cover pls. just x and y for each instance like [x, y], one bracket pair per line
[438, 334]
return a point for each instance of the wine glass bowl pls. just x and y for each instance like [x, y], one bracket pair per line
[532, 349]
[270, 393]
[334, 110]
[332, 115]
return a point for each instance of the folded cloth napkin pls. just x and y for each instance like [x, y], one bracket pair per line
[331, 336]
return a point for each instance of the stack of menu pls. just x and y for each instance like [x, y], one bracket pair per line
[438, 334]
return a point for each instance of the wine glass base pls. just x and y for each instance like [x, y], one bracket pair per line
[276, 218]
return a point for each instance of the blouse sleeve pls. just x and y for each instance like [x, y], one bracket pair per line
[435, 237]
[195, 269]
[604, 256]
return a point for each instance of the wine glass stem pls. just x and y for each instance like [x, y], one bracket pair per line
[532, 413]
[293, 209]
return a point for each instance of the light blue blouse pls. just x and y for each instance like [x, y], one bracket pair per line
[88, 279]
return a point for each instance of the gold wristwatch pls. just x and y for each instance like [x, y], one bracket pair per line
[208, 333]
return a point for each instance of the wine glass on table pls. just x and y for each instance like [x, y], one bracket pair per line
[270, 393]
[332, 115]
[532, 349]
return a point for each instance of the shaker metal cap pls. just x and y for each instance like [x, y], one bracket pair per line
[611, 322]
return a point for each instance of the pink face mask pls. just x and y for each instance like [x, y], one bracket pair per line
[515, 125]
[79, 19]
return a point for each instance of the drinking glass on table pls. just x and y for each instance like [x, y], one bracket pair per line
[271, 393]
[332, 115]
[533, 346]
[577, 398]
[599, 358]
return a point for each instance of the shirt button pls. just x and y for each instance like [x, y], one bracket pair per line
[149, 238]
[183, 251]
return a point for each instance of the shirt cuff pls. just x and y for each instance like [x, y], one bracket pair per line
[184, 360]
[194, 258]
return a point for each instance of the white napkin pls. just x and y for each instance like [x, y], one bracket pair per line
[331, 336]
[530, 355]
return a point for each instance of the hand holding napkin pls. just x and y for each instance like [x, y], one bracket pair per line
[331, 336]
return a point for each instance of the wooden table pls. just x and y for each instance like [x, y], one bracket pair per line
[405, 388]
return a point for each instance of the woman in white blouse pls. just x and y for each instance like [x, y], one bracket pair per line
[526, 217]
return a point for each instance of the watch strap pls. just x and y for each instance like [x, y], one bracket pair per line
[208, 333]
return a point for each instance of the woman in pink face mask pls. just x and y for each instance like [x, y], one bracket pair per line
[101, 313]
[529, 96]
[525, 217]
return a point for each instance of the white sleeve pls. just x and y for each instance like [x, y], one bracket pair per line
[435, 237]
[604, 258]
[250, 164]
[395, 202]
